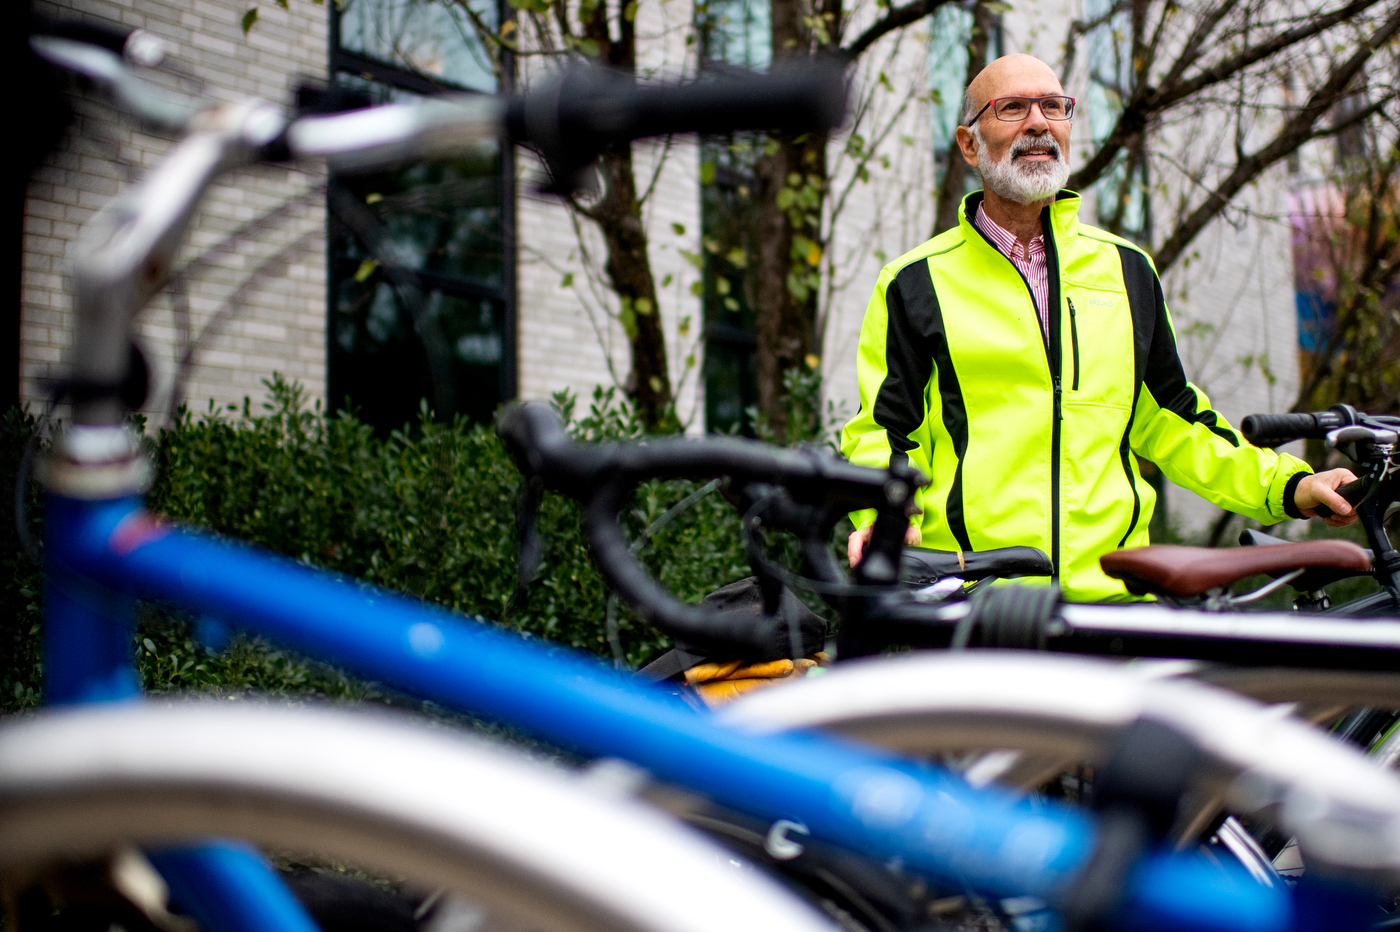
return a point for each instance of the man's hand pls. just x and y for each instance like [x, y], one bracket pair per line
[1320, 489]
[855, 544]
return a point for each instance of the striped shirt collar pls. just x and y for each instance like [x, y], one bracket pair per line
[1006, 241]
[1030, 261]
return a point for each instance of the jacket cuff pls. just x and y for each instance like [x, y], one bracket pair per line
[1290, 491]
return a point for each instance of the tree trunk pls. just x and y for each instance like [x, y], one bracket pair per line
[789, 251]
[619, 218]
[618, 215]
[955, 168]
[792, 187]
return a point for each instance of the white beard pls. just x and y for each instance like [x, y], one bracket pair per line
[1021, 181]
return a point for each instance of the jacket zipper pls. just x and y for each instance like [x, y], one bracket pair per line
[1055, 357]
[1054, 362]
[1074, 341]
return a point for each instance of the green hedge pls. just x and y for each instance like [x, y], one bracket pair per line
[429, 511]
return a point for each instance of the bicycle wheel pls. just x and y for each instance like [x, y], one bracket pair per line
[534, 848]
[1053, 712]
[1322, 695]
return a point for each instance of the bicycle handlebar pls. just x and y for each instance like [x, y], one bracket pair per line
[583, 110]
[1353, 492]
[127, 252]
[603, 476]
[1271, 430]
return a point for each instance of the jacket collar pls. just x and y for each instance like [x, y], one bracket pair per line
[1064, 217]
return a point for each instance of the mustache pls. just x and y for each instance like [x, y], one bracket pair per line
[1026, 143]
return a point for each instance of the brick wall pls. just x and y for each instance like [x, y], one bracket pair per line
[276, 321]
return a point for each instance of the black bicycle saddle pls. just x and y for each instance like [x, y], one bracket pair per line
[921, 567]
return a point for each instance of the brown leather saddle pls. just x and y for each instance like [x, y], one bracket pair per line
[1183, 572]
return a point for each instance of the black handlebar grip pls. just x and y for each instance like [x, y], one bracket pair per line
[572, 118]
[811, 99]
[592, 107]
[1353, 492]
[1271, 430]
[113, 40]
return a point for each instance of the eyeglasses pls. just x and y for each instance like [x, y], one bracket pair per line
[1016, 109]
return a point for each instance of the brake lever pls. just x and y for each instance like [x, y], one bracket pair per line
[154, 105]
[1357, 442]
[530, 548]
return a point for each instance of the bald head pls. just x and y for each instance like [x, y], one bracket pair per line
[1021, 154]
[1009, 76]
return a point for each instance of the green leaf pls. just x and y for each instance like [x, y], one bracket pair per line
[667, 280]
[567, 281]
[643, 306]
[697, 289]
[629, 12]
[678, 229]
[366, 269]
[694, 258]
[628, 318]
[737, 258]
[707, 172]
[249, 19]
[149, 645]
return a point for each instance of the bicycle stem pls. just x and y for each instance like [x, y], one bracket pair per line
[126, 253]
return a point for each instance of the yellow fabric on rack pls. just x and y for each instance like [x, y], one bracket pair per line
[720, 683]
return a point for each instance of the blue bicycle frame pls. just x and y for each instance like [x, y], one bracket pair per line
[103, 551]
[101, 555]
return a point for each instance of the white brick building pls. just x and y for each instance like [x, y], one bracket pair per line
[556, 316]
[281, 321]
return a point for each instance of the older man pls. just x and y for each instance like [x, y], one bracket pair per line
[1021, 359]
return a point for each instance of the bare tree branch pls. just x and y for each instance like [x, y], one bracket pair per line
[897, 18]
[1080, 27]
[1300, 128]
[1147, 102]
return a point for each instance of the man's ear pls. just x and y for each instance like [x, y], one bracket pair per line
[968, 144]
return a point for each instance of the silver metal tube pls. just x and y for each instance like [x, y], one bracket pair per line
[379, 136]
[1296, 628]
[126, 252]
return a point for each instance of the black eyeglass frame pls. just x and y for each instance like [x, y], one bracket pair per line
[1069, 108]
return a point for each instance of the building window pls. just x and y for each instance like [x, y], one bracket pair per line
[1122, 196]
[421, 264]
[733, 34]
[950, 28]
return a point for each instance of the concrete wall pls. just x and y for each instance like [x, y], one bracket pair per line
[278, 322]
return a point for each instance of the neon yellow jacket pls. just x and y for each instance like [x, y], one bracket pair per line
[1029, 440]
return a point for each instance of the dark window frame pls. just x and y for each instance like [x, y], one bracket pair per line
[344, 61]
